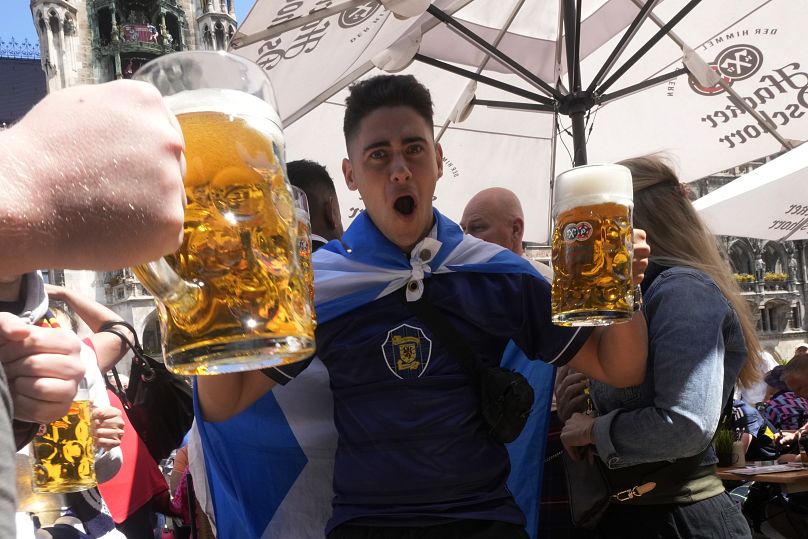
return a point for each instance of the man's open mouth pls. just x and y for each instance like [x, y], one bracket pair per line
[404, 205]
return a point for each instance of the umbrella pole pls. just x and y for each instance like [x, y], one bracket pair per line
[576, 105]
[578, 137]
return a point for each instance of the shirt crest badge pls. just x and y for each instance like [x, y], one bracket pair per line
[407, 351]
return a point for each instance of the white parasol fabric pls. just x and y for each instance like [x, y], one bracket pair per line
[770, 202]
[741, 50]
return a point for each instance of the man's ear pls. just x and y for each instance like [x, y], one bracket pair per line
[347, 173]
[439, 157]
[518, 230]
[331, 212]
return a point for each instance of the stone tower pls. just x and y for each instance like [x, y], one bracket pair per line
[216, 24]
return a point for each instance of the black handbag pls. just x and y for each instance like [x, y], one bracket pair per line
[588, 490]
[158, 403]
[506, 397]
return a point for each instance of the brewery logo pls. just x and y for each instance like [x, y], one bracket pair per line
[577, 231]
[738, 62]
[407, 351]
[358, 15]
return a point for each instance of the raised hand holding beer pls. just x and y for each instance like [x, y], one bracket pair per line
[42, 366]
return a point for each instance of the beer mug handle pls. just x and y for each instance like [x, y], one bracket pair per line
[171, 289]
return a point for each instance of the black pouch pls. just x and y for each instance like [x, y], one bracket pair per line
[506, 398]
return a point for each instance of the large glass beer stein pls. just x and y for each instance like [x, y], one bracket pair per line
[62, 453]
[592, 246]
[233, 297]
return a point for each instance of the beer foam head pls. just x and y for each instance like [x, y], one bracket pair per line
[593, 184]
[221, 100]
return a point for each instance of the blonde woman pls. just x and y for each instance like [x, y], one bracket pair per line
[657, 435]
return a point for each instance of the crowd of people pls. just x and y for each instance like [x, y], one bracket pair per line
[349, 444]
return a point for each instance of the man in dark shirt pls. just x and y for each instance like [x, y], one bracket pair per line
[313, 179]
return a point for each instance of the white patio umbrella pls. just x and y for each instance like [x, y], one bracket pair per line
[770, 202]
[740, 97]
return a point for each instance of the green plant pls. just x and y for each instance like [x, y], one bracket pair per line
[724, 438]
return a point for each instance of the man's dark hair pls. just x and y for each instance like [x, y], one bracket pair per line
[313, 178]
[385, 91]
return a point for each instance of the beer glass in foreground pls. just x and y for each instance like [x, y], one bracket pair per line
[62, 453]
[592, 246]
[233, 297]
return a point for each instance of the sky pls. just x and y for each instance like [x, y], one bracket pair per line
[17, 22]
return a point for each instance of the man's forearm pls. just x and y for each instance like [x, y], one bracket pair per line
[23, 225]
[223, 396]
[623, 351]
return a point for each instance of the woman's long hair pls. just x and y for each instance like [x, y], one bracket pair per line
[678, 237]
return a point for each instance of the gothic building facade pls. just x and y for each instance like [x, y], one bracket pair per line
[772, 276]
[95, 41]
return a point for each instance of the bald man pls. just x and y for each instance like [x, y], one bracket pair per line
[495, 215]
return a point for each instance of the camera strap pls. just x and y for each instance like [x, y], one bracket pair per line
[450, 338]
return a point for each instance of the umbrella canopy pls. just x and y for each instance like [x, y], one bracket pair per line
[770, 202]
[525, 114]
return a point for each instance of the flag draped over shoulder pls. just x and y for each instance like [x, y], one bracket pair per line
[365, 266]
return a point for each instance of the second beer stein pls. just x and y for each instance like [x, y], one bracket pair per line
[234, 296]
[593, 246]
[303, 219]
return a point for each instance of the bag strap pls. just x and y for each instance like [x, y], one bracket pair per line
[448, 336]
[118, 389]
[144, 361]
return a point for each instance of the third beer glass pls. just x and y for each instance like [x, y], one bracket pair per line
[233, 297]
[62, 452]
[592, 246]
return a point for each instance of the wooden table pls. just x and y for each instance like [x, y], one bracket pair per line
[790, 481]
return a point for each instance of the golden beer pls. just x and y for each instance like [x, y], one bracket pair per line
[241, 300]
[304, 251]
[592, 246]
[62, 453]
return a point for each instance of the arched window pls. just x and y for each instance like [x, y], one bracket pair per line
[53, 21]
[43, 28]
[218, 31]
[173, 27]
[69, 26]
[741, 257]
[775, 257]
[151, 335]
[104, 17]
[776, 315]
[207, 38]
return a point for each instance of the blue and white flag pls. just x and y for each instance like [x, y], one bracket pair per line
[365, 265]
